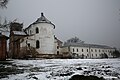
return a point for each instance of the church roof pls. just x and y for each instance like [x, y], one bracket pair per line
[87, 45]
[19, 33]
[43, 19]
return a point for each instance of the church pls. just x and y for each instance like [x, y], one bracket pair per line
[41, 35]
[37, 40]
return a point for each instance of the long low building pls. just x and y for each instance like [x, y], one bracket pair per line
[76, 48]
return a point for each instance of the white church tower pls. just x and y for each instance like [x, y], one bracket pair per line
[41, 35]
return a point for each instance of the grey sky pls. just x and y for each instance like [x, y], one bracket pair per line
[93, 21]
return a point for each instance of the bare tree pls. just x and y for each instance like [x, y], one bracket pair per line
[3, 3]
[4, 25]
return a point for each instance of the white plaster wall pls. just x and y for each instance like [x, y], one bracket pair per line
[91, 54]
[56, 44]
[23, 42]
[64, 50]
[79, 52]
[26, 40]
[45, 37]
[94, 52]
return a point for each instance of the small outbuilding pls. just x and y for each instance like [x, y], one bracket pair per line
[3, 47]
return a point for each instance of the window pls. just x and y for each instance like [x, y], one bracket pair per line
[99, 50]
[37, 30]
[92, 55]
[91, 50]
[77, 50]
[73, 50]
[96, 55]
[37, 44]
[87, 50]
[57, 47]
[57, 52]
[30, 32]
[82, 50]
[28, 44]
[95, 50]
[102, 50]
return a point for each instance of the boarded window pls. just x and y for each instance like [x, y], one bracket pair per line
[37, 44]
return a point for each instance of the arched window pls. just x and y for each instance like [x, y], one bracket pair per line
[57, 52]
[37, 30]
[30, 32]
[37, 44]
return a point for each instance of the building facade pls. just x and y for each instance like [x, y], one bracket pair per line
[78, 49]
[16, 34]
[3, 47]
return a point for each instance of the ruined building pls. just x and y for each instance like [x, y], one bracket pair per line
[41, 37]
[16, 34]
[3, 47]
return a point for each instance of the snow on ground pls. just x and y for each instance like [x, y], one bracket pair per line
[63, 69]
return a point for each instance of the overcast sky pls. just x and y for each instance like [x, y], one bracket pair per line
[93, 21]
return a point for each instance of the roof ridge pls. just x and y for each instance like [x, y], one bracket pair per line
[42, 19]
